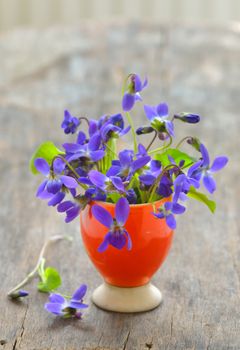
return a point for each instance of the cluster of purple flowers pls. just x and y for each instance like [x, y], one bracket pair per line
[91, 168]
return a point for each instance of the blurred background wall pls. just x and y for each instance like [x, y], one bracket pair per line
[42, 13]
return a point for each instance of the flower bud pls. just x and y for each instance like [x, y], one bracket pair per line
[144, 130]
[195, 142]
[18, 294]
[187, 117]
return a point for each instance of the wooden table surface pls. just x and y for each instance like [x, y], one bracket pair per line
[81, 68]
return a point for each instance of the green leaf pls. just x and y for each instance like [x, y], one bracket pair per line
[46, 150]
[114, 196]
[176, 155]
[201, 197]
[51, 280]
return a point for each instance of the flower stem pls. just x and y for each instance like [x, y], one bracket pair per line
[158, 179]
[133, 131]
[181, 141]
[161, 148]
[154, 138]
[39, 262]
[72, 169]
[84, 118]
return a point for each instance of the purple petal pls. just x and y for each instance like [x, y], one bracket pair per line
[103, 246]
[162, 110]
[81, 138]
[41, 188]
[170, 127]
[142, 150]
[209, 183]
[54, 308]
[93, 127]
[138, 97]
[139, 163]
[195, 183]
[67, 115]
[97, 178]
[80, 292]
[147, 179]
[72, 147]
[159, 215]
[150, 112]
[77, 305]
[56, 298]
[122, 211]
[125, 131]
[56, 199]
[64, 206]
[168, 205]
[85, 180]
[118, 241]
[54, 185]
[117, 182]
[137, 83]
[97, 155]
[129, 241]
[102, 215]
[218, 163]
[69, 181]
[42, 166]
[72, 213]
[155, 166]
[194, 167]
[171, 222]
[126, 157]
[205, 155]
[94, 142]
[128, 101]
[45, 195]
[58, 165]
[114, 170]
[178, 208]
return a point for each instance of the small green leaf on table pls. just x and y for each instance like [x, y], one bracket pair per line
[51, 280]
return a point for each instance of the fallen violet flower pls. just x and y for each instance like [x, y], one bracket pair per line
[67, 307]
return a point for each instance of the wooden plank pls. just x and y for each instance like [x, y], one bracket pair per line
[193, 68]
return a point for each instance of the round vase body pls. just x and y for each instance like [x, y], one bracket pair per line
[151, 240]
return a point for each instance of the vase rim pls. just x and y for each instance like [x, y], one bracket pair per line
[133, 205]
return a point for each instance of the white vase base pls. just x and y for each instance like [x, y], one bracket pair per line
[134, 299]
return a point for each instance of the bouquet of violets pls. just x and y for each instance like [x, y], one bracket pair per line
[93, 169]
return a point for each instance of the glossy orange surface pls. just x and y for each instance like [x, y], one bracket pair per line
[151, 239]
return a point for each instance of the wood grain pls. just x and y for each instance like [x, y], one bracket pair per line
[44, 72]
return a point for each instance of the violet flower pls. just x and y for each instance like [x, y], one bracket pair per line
[89, 151]
[126, 166]
[205, 172]
[114, 128]
[158, 117]
[133, 92]
[117, 235]
[67, 307]
[105, 183]
[73, 207]
[168, 210]
[69, 123]
[55, 179]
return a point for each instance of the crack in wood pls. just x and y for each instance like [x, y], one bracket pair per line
[20, 336]
[126, 341]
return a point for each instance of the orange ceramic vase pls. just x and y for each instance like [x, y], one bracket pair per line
[129, 270]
